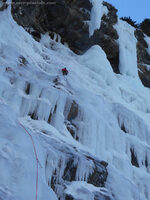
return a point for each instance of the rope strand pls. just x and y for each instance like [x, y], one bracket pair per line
[36, 196]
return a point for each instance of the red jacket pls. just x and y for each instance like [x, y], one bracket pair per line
[64, 70]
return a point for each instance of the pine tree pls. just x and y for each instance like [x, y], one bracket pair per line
[130, 21]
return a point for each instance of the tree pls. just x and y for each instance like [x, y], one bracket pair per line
[145, 26]
[130, 21]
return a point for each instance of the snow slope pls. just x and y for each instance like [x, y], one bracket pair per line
[112, 122]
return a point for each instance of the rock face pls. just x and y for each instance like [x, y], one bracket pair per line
[68, 19]
[69, 168]
[143, 58]
[142, 54]
[106, 37]
[64, 17]
[145, 26]
[144, 75]
[3, 5]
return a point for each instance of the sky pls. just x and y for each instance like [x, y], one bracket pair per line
[136, 9]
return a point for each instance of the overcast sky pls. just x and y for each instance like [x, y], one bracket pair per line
[136, 9]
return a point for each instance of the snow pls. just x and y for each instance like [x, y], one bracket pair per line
[85, 191]
[18, 161]
[113, 117]
[98, 10]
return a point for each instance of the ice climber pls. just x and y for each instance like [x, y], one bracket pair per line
[64, 71]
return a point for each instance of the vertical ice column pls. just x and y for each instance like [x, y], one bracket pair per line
[96, 14]
[127, 49]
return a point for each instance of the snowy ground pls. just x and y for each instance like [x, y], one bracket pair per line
[112, 121]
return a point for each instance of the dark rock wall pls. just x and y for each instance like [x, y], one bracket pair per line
[68, 19]
[68, 168]
[143, 58]
[108, 35]
[142, 54]
[64, 17]
[145, 27]
[3, 5]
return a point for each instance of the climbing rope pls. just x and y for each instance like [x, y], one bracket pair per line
[35, 157]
